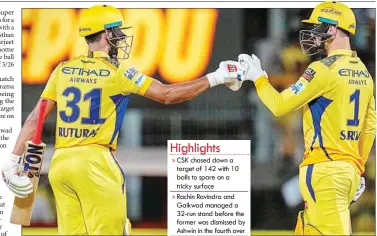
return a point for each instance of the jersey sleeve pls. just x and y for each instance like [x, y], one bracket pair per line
[368, 132]
[131, 80]
[50, 90]
[312, 84]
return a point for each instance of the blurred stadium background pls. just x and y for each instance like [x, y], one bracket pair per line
[179, 45]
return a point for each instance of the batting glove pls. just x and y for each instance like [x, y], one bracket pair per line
[360, 190]
[20, 186]
[252, 67]
[228, 73]
[235, 85]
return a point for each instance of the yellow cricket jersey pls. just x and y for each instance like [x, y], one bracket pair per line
[92, 93]
[339, 115]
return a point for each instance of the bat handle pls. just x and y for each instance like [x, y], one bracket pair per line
[37, 139]
[24, 170]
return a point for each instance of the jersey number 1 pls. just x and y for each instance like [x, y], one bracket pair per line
[94, 97]
[355, 97]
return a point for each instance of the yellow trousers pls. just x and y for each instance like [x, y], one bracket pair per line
[89, 190]
[328, 189]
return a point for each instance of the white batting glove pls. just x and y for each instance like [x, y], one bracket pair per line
[20, 186]
[252, 67]
[360, 190]
[227, 73]
[234, 86]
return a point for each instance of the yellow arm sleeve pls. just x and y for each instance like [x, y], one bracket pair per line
[368, 132]
[312, 84]
[50, 90]
[131, 80]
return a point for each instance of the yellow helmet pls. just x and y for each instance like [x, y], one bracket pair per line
[99, 18]
[107, 18]
[334, 13]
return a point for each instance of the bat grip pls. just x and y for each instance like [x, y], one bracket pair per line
[37, 139]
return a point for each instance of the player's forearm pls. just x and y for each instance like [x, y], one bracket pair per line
[181, 92]
[175, 93]
[26, 134]
[270, 97]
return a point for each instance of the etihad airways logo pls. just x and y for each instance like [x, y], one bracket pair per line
[81, 71]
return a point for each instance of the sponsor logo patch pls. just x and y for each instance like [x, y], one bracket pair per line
[232, 68]
[297, 87]
[140, 80]
[131, 72]
[309, 74]
[331, 10]
[85, 29]
[83, 72]
[353, 73]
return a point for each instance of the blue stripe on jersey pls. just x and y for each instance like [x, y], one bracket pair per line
[317, 108]
[309, 174]
[121, 170]
[121, 103]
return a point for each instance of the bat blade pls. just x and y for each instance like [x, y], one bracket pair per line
[23, 207]
[33, 158]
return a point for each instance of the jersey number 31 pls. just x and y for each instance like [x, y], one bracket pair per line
[94, 98]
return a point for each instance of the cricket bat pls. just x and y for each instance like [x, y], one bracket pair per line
[33, 158]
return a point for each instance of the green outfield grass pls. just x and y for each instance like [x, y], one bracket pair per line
[53, 231]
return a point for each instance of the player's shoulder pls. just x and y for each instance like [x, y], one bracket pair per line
[129, 71]
[112, 63]
[317, 65]
[69, 62]
[58, 68]
[315, 70]
[62, 63]
[323, 66]
[99, 62]
[102, 57]
[66, 63]
[331, 61]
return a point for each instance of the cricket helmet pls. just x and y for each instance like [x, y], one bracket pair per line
[105, 18]
[326, 14]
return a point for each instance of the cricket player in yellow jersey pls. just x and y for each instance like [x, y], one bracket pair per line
[91, 94]
[339, 119]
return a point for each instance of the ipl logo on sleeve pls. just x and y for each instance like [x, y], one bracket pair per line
[131, 72]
